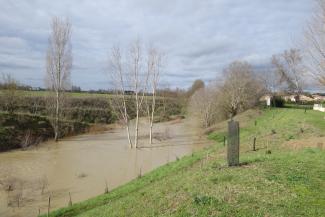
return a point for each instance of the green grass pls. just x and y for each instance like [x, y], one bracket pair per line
[284, 183]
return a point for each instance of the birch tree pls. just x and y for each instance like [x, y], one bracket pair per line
[120, 84]
[129, 76]
[139, 81]
[154, 65]
[58, 67]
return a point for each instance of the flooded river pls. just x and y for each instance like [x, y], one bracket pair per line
[82, 165]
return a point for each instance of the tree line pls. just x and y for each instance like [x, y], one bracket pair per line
[241, 86]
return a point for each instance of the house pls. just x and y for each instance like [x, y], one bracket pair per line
[296, 98]
[318, 97]
[290, 98]
[305, 98]
[319, 107]
[267, 99]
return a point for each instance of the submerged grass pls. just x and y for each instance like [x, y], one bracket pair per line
[286, 182]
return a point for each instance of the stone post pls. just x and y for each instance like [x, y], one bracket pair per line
[233, 143]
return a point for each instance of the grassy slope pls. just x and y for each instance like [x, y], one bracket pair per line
[284, 183]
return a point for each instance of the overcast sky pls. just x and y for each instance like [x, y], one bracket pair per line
[199, 37]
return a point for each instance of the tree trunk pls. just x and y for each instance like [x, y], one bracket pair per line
[126, 119]
[136, 128]
[56, 127]
[128, 134]
[152, 116]
[150, 132]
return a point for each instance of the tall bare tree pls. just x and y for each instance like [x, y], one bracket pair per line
[154, 66]
[120, 84]
[58, 66]
[270, 79]
[315, 44]
[129, 76]
[290, 69]
[139, 81]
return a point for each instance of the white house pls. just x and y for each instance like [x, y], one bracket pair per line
[319, 107]
[267, 99]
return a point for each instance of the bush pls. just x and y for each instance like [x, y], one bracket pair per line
[21, 131]
[89, 109]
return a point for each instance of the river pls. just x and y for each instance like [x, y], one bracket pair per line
[82, 165]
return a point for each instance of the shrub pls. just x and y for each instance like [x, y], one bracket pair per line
[20, 131]
[278, 102]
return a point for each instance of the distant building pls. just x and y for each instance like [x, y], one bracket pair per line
[306, 98]
[296, 98]
[318, 97]
[319, 107]
[267, 99]
[290, 98]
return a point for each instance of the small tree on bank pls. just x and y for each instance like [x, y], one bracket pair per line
[204, 106]
[58, 69]
[241, 89]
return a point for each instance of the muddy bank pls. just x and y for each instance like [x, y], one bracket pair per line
[22, 131]
[83, 164]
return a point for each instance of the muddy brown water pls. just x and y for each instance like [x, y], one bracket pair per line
[83, 164]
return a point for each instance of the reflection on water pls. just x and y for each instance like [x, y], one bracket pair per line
[83, 164]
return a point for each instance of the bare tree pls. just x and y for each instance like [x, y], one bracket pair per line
[139, 78]
[154, 65]
[204, 105]
[271, 82]
[315, 44]
[58, 66]
[120, 82]
[269, 79]
[129, 76]
[241, 89]
[288, 66]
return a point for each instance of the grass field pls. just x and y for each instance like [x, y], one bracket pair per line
[288, 181]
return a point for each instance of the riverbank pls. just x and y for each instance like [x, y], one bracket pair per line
[24, 121]
[279, 179]
[20, 131]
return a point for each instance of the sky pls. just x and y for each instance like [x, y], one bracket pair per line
[199, 38]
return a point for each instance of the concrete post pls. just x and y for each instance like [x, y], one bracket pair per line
[233, 143]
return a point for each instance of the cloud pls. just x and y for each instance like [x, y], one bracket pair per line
[199, 37]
